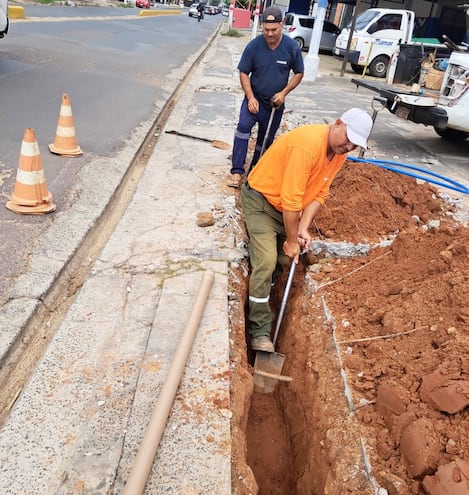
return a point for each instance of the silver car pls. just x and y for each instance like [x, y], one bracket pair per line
[300, 28]
[193, 10]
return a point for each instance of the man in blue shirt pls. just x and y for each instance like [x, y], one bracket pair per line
[264, 74]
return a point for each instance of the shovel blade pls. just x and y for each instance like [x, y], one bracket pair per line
[223, 145]
[216, 143]
[270, 363]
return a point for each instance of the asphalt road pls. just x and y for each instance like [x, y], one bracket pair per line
[118, 68]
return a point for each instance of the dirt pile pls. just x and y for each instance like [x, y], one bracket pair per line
[378, 348]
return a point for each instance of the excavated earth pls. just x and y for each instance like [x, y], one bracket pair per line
[376, 341]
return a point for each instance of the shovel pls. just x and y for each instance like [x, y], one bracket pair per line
[223, 145]
[268, 365]
[267, 132]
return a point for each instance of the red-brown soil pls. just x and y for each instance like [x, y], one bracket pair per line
[378, 349]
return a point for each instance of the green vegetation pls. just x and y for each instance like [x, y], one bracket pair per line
[243, 4]
[233, 33]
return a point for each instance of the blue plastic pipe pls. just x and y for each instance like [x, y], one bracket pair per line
[428, 176]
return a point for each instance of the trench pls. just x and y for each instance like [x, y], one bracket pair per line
[283, 443]
[269, 446]
[363, 341]
[301, 439]
[369, 337]
[270, 440]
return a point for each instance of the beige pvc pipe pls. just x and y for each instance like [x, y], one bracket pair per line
[143, 462]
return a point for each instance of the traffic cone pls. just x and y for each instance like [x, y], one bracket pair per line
[30, 195]
[65, 142]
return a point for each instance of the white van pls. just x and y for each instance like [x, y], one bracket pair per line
[375, 38]
[3, 18]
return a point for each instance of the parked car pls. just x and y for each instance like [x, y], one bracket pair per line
[225, 11]
[210, 9]
[300, 28]
[193, 12]
[142, 4]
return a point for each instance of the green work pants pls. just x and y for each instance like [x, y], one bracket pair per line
[266, 237]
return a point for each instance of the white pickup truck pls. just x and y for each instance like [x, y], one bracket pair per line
[447, 112]
[3, 18]
[376, 38]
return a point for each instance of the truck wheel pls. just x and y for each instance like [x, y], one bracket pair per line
[379, 66]
[452, 134]
[358, 69]
[300, 42]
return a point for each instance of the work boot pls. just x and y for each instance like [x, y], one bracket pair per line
[262, 343]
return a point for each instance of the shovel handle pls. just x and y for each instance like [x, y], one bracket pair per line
[177, 133]
[265, 374]
[267, 132]
[291, 274]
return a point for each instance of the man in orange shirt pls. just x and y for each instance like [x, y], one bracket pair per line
[281, 197]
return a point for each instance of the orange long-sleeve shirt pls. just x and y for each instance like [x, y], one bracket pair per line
[295, 171]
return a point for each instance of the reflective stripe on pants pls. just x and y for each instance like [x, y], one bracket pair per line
[247, 121]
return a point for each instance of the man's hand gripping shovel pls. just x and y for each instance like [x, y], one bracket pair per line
[268, 365]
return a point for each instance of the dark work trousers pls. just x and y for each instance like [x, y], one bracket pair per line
[247, 121]
[266, 237]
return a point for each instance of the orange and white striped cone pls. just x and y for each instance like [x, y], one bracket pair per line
[30, 195]
[65, 142]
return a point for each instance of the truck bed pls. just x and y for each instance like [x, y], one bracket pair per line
[419, 108]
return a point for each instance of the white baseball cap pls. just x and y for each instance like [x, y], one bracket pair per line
[358, 124]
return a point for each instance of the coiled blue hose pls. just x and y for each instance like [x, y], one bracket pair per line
[428, 177]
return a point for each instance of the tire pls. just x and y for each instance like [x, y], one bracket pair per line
[301, 43]
[358, 69]
[452, 134]
[379, 66]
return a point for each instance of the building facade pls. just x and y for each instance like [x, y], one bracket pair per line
[433, 18]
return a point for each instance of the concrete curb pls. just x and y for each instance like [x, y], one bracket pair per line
[147, 13]
[16, 12]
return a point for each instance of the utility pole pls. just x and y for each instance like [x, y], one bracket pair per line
[230, 14]
[312, 59]
[255, 24]
[350, 36]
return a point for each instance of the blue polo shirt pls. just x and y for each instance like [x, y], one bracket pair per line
[269, 70]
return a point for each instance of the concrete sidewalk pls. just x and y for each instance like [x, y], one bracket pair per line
[78, 424]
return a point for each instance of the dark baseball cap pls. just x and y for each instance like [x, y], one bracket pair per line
[272, 15]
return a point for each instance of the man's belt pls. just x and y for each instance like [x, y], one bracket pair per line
[253, 190]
